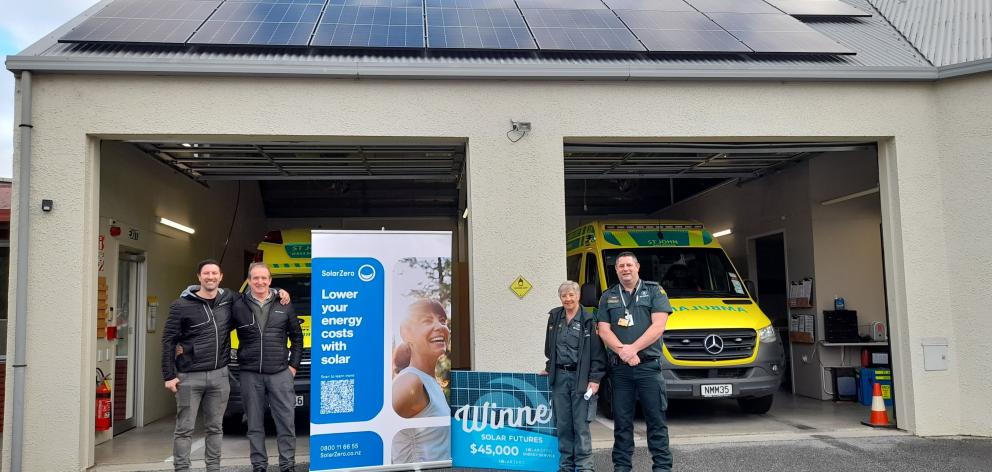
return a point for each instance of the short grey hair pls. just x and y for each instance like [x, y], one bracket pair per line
[255, 265]
[566, 286]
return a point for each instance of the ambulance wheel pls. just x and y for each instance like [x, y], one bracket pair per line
[757, 405]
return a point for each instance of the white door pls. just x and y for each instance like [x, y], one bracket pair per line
[130, 284]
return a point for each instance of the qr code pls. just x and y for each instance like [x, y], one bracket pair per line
[337, 396]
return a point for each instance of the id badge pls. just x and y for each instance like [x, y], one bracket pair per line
[629, 319]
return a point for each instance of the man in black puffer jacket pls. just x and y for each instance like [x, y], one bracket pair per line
[198, 327]
[267, 367]
[196, 347]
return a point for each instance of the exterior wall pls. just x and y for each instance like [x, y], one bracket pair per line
[516, 224]
[965, 147]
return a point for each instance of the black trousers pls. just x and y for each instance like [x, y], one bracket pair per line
[642, 383]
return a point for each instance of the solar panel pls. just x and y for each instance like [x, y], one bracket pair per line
[561, 4]
[649, 5]
[261, 22]
[473, 4]
[473, 25]
[371, 24]
[580, 30]
[777, 33]
[732, 6]
[680, 31]
[143, 21]
[815, 8]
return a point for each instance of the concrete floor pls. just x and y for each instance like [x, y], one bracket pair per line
[690, 423]
[822, 453]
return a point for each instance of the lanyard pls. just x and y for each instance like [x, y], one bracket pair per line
[633, 296]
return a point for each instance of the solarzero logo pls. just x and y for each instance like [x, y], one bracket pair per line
[366, 273]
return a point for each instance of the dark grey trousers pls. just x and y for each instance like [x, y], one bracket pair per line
[275, 390]
[208, 391]
[572, 416]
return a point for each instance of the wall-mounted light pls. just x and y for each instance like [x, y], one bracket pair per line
[465, 214]
[851, 196]
[722, 233]
[173, 224]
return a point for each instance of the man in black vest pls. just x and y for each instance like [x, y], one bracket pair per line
[267, 366]
[631, 320]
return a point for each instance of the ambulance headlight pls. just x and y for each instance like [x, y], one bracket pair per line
[767, 334]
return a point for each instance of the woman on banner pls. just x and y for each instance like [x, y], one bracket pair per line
[416, 391]
[576, 362]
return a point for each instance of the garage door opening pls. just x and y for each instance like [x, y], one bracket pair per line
[800, 224]
[171, 203]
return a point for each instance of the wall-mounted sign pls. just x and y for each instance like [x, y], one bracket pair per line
[520, 286]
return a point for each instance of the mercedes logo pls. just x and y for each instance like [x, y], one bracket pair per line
[713, 344]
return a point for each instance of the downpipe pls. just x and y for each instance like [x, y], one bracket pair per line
[23, 186]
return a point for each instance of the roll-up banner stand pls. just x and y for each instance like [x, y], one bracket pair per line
[381, 302]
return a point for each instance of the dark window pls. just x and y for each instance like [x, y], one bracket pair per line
[298, 287]
[592, 270]
[684, 272]
[573, 267]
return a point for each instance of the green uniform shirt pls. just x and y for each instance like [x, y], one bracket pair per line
[648, 297]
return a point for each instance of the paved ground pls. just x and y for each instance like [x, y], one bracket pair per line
[820, 453]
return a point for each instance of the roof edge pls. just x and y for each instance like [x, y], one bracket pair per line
[965, 68]
[361, 69]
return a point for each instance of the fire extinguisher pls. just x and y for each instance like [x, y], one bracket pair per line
[103, 405]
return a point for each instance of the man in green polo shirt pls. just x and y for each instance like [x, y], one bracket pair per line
[631, 320]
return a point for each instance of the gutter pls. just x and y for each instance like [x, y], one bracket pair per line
[21, 279]
[967, 68]
[352, 69]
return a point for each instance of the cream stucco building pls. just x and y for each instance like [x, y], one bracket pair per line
[929, 116]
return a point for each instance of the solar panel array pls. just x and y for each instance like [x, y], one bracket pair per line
[261, 22]
[663, 26]
[144, 21]
[371, 24]
[477, 24]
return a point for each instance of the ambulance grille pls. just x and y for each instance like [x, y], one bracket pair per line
[688, 344]
[304, 371]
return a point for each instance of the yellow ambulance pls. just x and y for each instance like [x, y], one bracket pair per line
[717, 343]
[287, 253]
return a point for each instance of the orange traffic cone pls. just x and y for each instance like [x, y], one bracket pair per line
[879, 418]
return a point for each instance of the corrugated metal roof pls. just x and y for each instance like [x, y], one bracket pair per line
[947, 32]
[882, 53]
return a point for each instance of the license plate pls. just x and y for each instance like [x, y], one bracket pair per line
[299, 400]
[718, 390]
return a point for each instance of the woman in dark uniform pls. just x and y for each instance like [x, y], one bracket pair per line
[576, 363]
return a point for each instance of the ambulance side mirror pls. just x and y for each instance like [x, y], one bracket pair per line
[590, 295]
[749, 284]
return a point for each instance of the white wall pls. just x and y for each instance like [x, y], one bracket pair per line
[137, 191]
[516, 199]
[847, 242]
[965, 150]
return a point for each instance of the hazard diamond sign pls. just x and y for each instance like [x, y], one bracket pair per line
[521, 286]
